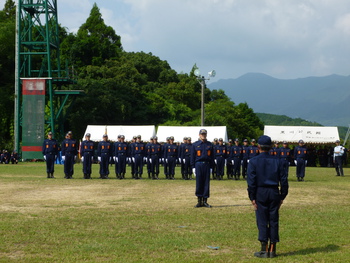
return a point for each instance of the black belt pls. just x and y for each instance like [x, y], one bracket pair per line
[204, 162]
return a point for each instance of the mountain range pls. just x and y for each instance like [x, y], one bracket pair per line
[325, 100]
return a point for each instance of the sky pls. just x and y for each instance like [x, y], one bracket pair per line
[285, 39]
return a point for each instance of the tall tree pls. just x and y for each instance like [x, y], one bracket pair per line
[94, 43]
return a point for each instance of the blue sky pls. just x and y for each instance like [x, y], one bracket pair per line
[285, 39]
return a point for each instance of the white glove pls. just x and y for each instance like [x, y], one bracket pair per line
[184, 161]
[145, 159]
[194, 172]
[63, 158]
[179, 160]
[166, 160]
[295, 161]
[45, 157]
[215, 161]
[247, 161]
[75, 157]
[305, 162]
[99, 158]
[233, 162]
[133, 159]
[211, 171]
[114, 158]
[82, 158]
[163, 160]
[92, 159]
[150, 160]
[225, 162]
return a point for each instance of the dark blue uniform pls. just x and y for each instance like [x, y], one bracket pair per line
[139, 154]
[245, 156]
[285, 156]
[171, 155]
[165, 163]
[202, 159]
[50, 151]
[186, 160]
[236, 156]
[181, 158]
[87, 153]
[120, 154]
[69, 151]
[104, 153]
[148, 157]
[220, 157]
[265, 175]
[300, 155]
[155, 155]
[229, 166]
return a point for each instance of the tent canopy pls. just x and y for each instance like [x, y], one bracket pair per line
[179, 132]
[309, 134]
[113, 131]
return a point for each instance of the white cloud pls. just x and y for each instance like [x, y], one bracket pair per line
[286, 39]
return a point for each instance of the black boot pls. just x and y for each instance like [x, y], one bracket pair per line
[263, 253]
[200, 202]
[205, 203]
[272, 250]
[48, 175]
[52, 175]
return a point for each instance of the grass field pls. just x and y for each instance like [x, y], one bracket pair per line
[59, 220]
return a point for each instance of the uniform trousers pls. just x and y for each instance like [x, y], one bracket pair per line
[301, 167]
[138, 164]
[202, 179]
[104, 164]
[69, 164]
[268, 201]
[171, 165]
[244, 166]
[50, 162]
[87, 163]
[120, 166]
[154, 164]
[236, 166]
[220, 165]
[187, 166]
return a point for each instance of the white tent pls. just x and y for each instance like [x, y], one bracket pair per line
[113, 131]
[309, 134]
[179, 132]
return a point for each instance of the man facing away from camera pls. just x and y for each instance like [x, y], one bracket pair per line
[267, 188]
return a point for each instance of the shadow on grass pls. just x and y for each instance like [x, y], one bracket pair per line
[306, 251]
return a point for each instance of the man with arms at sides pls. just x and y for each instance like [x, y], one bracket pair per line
[267, 188]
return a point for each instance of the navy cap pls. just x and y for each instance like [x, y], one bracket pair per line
[155, 138]
[229, 140]
[300, 141]
[237, 140]
[245, 140]
[105, 135]
[88, 135]
[134, 137]
[167, 138]
[185, 138]
[220, 139]
[203, 131]
[122, 137]
[253, 140]
[215, 139]
[188, 138]
[69, 133]
[337, 141]
[50, 133]
[285, 142]
[264, 140]
[138, 136]
[171, 138]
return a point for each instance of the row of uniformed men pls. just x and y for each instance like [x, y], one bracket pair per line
[233, 156]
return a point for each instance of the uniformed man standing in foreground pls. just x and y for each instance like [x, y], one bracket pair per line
[202, 161]
[267, 188]
[87, 155]
[69, 155]
[50, 151]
